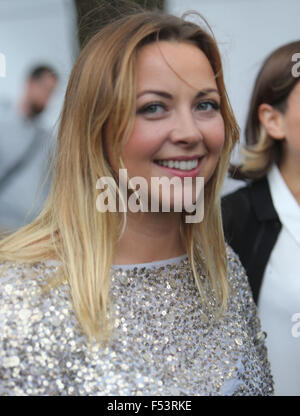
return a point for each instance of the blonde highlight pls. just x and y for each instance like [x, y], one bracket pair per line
[100, 106]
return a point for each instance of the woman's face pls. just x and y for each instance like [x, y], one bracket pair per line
[178, 129]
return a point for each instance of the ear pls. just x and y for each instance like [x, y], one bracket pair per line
[272, 120]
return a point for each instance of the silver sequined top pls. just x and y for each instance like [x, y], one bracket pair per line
[161, 344]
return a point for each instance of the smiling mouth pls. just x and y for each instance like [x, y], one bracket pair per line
[183, 165]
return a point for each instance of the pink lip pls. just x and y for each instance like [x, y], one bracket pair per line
[183, 173]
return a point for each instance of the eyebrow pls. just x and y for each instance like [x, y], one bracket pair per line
[164, 94]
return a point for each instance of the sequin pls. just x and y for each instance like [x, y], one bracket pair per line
[11, 362]
[239, 341]
[164, 340]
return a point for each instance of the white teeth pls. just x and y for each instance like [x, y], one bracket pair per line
[181, 165]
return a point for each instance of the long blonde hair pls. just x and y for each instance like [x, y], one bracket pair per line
[100, 103]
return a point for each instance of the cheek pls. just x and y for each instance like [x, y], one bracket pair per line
[142, 144]
[293, 131]
[216, 136]
[295, 125]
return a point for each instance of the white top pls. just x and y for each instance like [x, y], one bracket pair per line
[155, 263]
[279, 301]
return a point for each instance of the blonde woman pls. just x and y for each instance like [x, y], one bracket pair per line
[130, 303]
[266, 232]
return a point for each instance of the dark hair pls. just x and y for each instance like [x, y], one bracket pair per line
[38, 71]
[273, 85]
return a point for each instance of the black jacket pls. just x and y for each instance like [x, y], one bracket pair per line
[251, 228]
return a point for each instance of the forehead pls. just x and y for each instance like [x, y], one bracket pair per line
[46, 79]
[168, 62]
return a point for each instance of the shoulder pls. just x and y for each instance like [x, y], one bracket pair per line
[244, 206]
[30, 319]
[240, 197]
[14, 274]
[238, 201]
[237, 276]
[245, 193]
[234, 264]
[238, 211]
[242, 302]
[240, 292]
[21, 293]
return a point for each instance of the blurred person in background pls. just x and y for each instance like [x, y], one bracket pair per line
[24, 146]
[262, 220]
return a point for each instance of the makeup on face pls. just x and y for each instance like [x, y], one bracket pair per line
[178, 128]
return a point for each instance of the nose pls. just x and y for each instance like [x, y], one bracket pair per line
[186, 129]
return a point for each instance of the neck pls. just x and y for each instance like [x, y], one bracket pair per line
[290, 171]
[150, 237]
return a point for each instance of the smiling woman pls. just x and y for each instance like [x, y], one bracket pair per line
[178, 117]
[134, 303]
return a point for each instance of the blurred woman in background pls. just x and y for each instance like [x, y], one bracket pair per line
[262, 220]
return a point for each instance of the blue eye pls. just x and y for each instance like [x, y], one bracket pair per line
[154, 108]
[208, 106]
